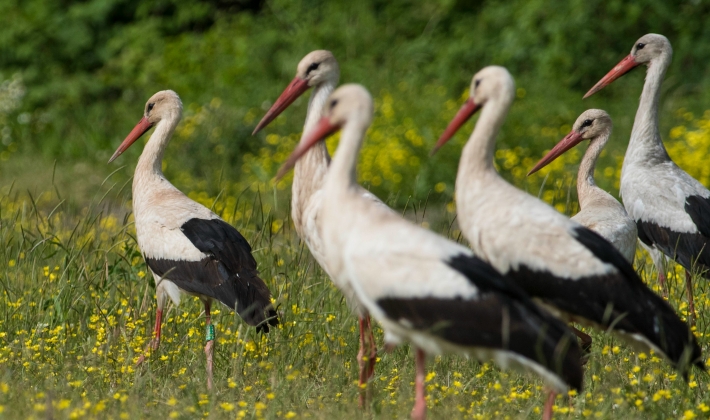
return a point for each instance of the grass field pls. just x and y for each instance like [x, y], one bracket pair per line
[77, 309]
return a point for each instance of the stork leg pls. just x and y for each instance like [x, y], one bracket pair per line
[419, 410]
[547, 409]
[362, 360]
[691, 302]
[209, 347]
[155, 341]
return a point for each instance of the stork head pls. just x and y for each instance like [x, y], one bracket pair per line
[165, 104]
[645, 50]
[315, 68]
[590, 125]
[649, 47]
[350, 104]
[492, 83]
[318, 67]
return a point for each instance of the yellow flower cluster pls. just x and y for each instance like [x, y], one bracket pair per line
[689, 145]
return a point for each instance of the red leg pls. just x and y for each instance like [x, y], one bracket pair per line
[210, 343]
[157, 329]
[547, 410]
[419, 410]
[691, 302]
[662, 283]
[155, 341]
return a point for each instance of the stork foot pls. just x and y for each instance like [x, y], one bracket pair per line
[419, 410]
[155, 341]
[149, 349]
[141, 359]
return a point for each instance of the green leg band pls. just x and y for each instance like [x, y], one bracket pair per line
[210, 333]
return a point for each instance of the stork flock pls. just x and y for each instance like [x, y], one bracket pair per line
[510, 296]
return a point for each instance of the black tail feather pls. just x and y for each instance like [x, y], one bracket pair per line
[527, 330]
[618, 300]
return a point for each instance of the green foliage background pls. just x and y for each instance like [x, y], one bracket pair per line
[88, 66]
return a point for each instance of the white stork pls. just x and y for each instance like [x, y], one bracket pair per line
[598, 210]
[187, 247]
[319, 69]
[568, 267]
[421, 287]
[671, 208]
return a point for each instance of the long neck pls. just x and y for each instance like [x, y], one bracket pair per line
[341, 175]
[585, 175]
[477, 155]
[309, 172]
[317, 158]
[646, 140]
[315, 104]
[150, 162]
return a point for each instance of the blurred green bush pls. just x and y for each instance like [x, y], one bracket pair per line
[80, 72]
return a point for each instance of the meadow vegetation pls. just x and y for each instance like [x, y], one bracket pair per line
[76, 303]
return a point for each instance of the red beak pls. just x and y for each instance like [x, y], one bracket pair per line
[572, 139]
[467, 110]
[140, 129]
[323, 129]
[290, 94]
[619, 70]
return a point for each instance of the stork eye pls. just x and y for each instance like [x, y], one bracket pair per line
[313, 66]
[333, 103]
[640, 46]
[478, 82]
[586, 123]
[150, 107]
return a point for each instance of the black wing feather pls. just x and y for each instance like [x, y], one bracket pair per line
[228, 274]
[219, 238]
[699, 210]
[485, 277]
[502, 317]
[686, 248]
[619, 300]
